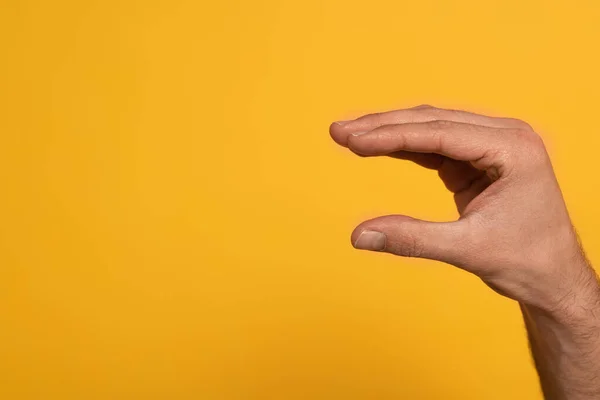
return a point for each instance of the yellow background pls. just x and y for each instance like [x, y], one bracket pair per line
[175, 220]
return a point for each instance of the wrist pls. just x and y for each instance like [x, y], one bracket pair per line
[576, 304]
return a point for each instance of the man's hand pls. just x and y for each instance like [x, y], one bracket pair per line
[514, 231]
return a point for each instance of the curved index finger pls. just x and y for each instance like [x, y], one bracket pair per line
[484, 147]
[340, 130]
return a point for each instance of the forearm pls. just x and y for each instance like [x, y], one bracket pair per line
[565, 345]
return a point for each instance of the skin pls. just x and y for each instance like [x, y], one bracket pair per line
[514, 231]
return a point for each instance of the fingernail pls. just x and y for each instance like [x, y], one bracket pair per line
[370, 240]
[342, 123]
[359, 133]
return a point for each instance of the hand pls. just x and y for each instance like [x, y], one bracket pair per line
[514, 231]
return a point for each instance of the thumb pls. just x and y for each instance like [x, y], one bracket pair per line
[409, 237]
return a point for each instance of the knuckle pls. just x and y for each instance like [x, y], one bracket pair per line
[533, 149]
[525, 136]
[434, 114]
[376, 118]
[436, 130]
[412, 246]
[373, 118]
[439, 124]
[519, 124]
[532, 140]
[423, 107]
[522, 134]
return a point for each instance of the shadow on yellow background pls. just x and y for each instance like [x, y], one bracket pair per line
[175, 219]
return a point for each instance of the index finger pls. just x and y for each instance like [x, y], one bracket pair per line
[484, 147]
[340, 130]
